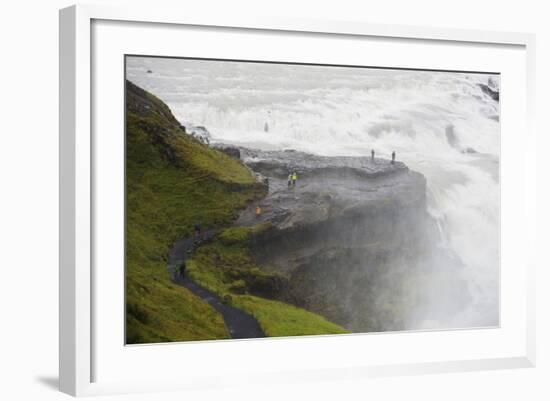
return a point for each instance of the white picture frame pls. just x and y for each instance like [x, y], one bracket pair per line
[78, 162]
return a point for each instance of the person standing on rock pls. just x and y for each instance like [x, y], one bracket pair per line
[294, 178]
[289, 180]
[393, 157]
[372, 154]
[258, 211]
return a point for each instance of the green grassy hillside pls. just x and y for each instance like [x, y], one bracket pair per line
[173, 182]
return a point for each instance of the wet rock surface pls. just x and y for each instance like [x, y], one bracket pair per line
[493, 93]
[280, 163]
[330, 189]
[354, 238]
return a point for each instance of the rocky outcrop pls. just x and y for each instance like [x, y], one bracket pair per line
[491, 92]
[279, 164]
[199, 132]
[353, 236]
[333, 191]
[231, 151]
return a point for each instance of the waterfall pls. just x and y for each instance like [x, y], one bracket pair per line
[440, 124]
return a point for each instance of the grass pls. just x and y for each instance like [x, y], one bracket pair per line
[158, 311]
[173, 182]
[278, 319]
[226, 268]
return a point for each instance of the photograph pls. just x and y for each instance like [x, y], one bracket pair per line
[275, 199]
[300, 200]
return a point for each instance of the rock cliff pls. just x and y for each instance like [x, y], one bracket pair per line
[354, 239]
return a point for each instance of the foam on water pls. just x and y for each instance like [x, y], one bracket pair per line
[349, 111]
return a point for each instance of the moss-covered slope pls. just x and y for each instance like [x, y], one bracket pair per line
[172, 183]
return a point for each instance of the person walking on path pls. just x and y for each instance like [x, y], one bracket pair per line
[372, 154]
[294, 179]
[197, 231]
[175, 270]
[393, 157]
[181, 270]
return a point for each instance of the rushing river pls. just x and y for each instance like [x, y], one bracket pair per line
[440, 124]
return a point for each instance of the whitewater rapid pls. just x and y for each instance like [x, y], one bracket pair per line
[440, 124]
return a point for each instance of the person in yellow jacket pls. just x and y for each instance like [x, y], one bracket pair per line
[294, 178]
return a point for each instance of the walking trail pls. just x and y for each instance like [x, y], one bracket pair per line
[239, 323]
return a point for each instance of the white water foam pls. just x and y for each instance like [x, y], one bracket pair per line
[440, 124]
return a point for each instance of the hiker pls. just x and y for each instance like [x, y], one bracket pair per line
[393, 157]
[372, 154]
[258, 211]
[197, 231]
[181, 270]
[289, 180]
[294, 178]
[174, 271]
